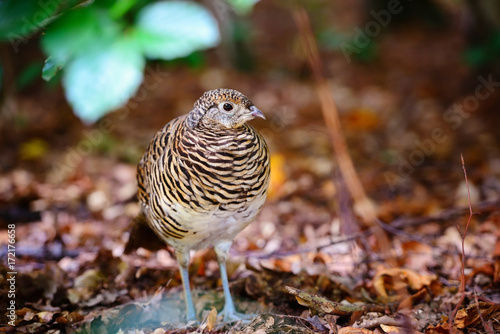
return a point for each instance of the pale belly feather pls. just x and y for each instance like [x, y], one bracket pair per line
[206, 229]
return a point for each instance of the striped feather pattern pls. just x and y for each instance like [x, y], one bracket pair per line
[204, 183]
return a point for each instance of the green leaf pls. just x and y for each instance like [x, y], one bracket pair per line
[121, 7]
[19, 19]
[242, 7]
[77, 31]
[103, 79]
[51, 67]
[174, 29]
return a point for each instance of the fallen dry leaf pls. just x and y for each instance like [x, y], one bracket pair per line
[443, 328]
[397, 329]
[322, 306]
[353, 330]
[211, 318]
[475, 315]
[411, 300]
[396, 279]
[461, 318]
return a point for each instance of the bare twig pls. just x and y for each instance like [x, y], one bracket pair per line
[464, 234]
[486, 326]
[446, 215]
[332, 120]
[362, 203]
[395, 227]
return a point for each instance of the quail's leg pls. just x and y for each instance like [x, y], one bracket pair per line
[229, 311]
[183, 260]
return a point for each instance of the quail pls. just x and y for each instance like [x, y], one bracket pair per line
[203, 179]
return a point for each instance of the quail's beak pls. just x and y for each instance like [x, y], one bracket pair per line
[256, 112]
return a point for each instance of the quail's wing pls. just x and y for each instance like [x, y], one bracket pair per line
[156, 148]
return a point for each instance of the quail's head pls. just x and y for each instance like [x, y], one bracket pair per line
[224, 108]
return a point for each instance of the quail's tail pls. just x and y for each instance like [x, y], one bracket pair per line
[142, 236]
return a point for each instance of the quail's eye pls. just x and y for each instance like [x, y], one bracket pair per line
[227, 106]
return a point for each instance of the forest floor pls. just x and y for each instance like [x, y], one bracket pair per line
[306, 265]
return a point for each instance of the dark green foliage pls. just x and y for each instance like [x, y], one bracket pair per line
[483, 53]
[102, 46]
[19, 19]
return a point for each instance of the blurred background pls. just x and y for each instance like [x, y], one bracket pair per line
[86, 84]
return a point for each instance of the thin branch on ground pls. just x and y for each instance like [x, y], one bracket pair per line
[396, 228]
[364, 205]
[464, 234]
[486, 326]
[330, 114]
[445, 215]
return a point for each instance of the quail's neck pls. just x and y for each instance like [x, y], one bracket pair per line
[219, 129]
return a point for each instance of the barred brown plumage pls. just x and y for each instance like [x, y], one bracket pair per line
[203, 179]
